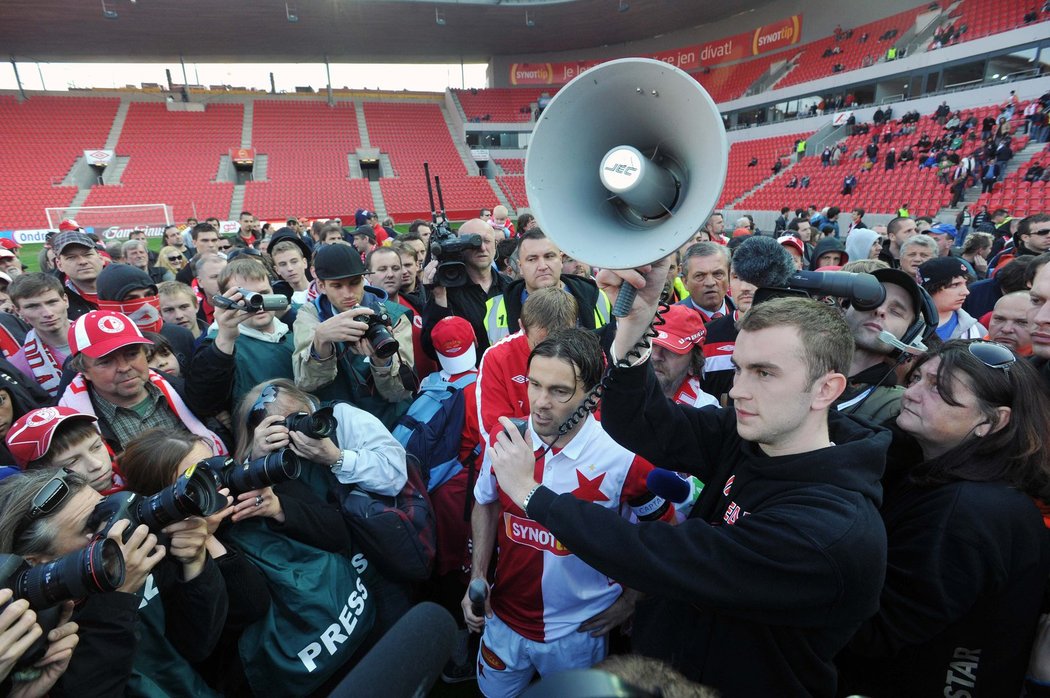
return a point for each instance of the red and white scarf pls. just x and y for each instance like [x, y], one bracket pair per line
[144, 312]
[78, 398]
[46, 368]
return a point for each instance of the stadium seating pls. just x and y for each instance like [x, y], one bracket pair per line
[500, 104]
[307, 144]
[731, 82]
[40, 140]
[174, 159]
[413, 134]
[1017, 196]
[980, 18]
[742, 178]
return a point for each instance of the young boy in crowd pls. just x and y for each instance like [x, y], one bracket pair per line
[60, 437]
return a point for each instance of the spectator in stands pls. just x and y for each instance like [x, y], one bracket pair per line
[705, 269]
[467, 301]
[849, 182]
[291, 260]
[241, 349]
[113, 383]
[916, 251]
[1009, 323]
[898, 230]
[206, 242]
[129, 290]
[753, 162]
[78, 260]
[179, 306]
[777, 166]
[539, 261]
[136, 254]
[825, 157]
[249, 234]
[333, 358]
[804, 182]
[40, 300]
[945, 280]
[891, 159]
[793, 182]
[1034, 173]
[872, 392]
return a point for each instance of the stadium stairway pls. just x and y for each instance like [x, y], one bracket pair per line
[970, 196]
[246, 127]
[377, 199]
[237, 201]
[118, 124]
[461, 145]
[362, 127]
[761, 185]
[500, 197]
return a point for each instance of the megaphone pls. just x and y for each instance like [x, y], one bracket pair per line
[626, 163]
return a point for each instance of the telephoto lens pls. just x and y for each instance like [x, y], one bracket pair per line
[97, 569]
[319, 425]
[193, 494]
[271, 469]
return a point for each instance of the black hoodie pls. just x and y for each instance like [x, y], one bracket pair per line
[828, 244]
[780, 562]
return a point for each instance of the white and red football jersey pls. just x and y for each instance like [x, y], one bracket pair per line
[689, 393]
[503, 382]
[542, 590]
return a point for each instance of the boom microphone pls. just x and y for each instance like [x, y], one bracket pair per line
[863, 290]
[407, 660]
[763, 262]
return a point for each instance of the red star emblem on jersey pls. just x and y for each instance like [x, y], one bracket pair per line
[589, 490]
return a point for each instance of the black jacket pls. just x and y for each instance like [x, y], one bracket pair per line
[78, 305]
[467, 302]
[585, 291]
[181, 341]
[779, 563]
[967, 565]
[721, 334]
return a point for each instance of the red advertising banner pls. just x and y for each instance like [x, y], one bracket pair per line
[769, 37]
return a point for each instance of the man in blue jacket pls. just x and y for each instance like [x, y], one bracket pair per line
[784, 555]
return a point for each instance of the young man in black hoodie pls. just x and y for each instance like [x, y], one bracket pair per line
[784, 555]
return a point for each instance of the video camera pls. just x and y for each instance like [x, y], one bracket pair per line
[446, 246]
[861, 291]
[195, 493]
[97, 569]
[253, 302]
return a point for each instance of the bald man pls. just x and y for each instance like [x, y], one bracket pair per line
[1009, 323]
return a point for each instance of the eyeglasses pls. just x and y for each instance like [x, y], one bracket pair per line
[258, 411]
[992, 354]
[224, 248]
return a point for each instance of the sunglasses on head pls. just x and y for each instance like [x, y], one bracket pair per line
[992, 354]
[258, 411]
[47, 499]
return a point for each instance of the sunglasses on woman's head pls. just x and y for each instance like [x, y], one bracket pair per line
[992, 354]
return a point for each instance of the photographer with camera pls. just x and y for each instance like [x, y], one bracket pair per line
[350, 343]
[153, 461]
[468, 298]
[19, 631]
[169, 610]
[244, 346]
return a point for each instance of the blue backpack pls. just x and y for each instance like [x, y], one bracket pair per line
[432, 427]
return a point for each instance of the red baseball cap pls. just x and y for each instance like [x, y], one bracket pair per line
[793, 242]
[454, 340]
[103, 331]
[9, 244]
[68, 225]
[682, 330]
[29, 438]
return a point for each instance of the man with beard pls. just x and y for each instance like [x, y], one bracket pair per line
[678, 357]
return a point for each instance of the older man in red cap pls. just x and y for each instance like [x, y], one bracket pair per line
[115, 384]
[678, 357]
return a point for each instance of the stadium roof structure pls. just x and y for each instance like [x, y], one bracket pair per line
[350, 31]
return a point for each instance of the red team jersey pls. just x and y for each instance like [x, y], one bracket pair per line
[541, 590]
[503, 384]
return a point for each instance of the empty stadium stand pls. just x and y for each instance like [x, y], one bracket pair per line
[731, 82]
[174, 159]
[741, 178]
[1019, 197]
[307, 144]
[979, 18]
[413, 134]
[500, 104]
[40, 140]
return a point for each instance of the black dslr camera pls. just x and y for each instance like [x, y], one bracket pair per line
[319, 425]
[97, 569]
[449, 249]
[271, 469]
[378, 332]
[254, 302]
[195, 493]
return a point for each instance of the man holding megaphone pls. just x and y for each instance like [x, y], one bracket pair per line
[783, 556]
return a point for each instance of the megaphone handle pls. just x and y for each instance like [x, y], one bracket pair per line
[624, 300]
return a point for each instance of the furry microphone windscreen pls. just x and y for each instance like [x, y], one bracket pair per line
[762, 261]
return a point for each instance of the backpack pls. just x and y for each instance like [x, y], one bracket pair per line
[433, 425]
[398, 533]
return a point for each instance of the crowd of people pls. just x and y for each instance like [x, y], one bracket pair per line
[763, 490]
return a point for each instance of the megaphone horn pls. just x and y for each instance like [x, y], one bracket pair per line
[626, 163]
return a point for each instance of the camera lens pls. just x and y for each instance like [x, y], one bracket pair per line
[382, 341]
[319, 425]
[271, 469]
[96, 569]
[193, 494]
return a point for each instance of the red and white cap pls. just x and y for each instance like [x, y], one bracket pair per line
[682, 330]
[454, 341]
[29, 438]
[792, 242]
[103, 331]
[68, 225]
[9, 244]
